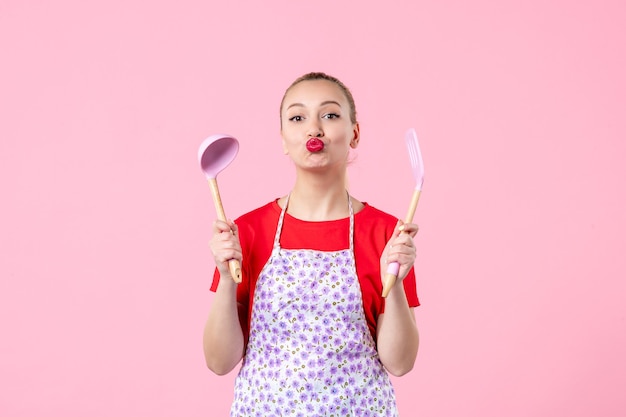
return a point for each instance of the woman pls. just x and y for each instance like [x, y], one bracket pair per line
[308, 319]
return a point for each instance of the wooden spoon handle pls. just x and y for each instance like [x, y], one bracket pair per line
[233, 265]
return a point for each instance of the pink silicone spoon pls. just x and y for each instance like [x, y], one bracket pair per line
[216, 153]
[417, 166]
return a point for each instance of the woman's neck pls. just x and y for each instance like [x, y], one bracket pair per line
[318, 198]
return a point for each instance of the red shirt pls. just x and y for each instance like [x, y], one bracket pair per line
[372, 229]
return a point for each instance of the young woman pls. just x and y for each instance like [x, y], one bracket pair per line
[308, 319]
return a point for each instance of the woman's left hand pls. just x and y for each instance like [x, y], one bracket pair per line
[400, 248]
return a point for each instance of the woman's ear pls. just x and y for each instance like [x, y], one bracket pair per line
[356, 136]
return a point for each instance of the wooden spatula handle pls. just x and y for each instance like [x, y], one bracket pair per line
[392, 269]
[233, 265]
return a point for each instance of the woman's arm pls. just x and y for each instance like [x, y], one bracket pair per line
[398, 339]
[223, 337]
[396, 331]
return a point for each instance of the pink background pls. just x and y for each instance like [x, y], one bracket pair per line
[104, 261]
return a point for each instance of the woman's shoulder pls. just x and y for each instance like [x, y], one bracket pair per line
[260, 214]
[371, 213]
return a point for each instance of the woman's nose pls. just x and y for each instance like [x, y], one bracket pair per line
[315, 131]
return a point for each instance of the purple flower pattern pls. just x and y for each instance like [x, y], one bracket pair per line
[310, 351]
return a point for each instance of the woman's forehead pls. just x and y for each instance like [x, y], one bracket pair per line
[315, 91]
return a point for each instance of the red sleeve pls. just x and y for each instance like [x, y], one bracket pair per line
[216, 280]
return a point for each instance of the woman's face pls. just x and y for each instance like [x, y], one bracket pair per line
[318, 108]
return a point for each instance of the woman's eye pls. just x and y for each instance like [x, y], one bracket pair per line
[296, 118]
[331, 116]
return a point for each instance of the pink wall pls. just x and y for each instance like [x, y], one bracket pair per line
[104, 261]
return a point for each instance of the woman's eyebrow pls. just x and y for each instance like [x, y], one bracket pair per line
[323, 103]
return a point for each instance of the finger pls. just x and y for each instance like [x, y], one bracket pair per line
[225, 247]
[401, 251]
[234, 228]
[409, 228]
[220, 226]
[398, 229]
[404, 240]
[403, 255]
[406, 263]
[224, 242]
[402, 247]
[226, 255]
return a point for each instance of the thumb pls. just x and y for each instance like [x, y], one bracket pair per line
[398, 229]
[233, 227]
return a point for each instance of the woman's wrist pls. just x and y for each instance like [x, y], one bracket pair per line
[227, 283]
[397, 293]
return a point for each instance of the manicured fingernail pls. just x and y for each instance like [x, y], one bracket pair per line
[401, 228]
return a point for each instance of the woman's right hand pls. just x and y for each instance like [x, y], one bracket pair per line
[225, 245]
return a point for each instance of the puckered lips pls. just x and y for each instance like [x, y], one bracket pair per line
[314, 145]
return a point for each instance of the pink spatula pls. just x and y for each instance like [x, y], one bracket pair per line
[417, 166]
[216, 153]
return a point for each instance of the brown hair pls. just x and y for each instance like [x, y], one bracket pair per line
[312, 76]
